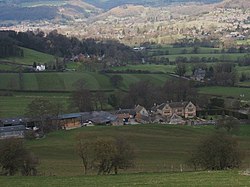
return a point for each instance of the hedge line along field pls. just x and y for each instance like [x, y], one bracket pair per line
[181, 50]
[158, 148]
[64, 81]
[215, 178]
[220, 57]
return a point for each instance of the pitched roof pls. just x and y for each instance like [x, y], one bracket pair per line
[95, 116]
[126, 111]
[161, 106]
[12, 121]
[12, 128]
[138, 108]
[70, 116]
[178, 104]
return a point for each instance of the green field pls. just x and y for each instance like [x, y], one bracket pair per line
[220, 57]
[227, 92]
[30, 56]
[216, 179]
[160, 151]
[59, 81]
[245, 83]
[147, 67]
[243, 69]
[159, 148]
[13, 106]
[179, 50]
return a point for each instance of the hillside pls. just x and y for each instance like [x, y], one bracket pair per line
[107, 4]
[18, 10]
[235, 4]
[157, 147]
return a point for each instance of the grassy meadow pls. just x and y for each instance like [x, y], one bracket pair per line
[15, 105]
[30, 56]
[160, 152]
[226, 92]
[217, 179]
[63, 81]
[159, 148]
[180, 50]
[148, 67]
[220, 57]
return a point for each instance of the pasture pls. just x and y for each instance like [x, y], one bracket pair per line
[235, 92]
[30, 56]
[147, 67]
[15, 105]
[182, 50]
[64, 81]
[158, 148]
[216, 178]
[220, 57]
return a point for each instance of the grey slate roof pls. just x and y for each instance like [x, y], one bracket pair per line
[178, 104]
[12, 128]
[95, 116]
[12, 121]
[126, 111]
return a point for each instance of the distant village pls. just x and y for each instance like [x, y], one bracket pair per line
[174, 113]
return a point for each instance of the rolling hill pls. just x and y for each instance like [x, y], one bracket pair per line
[19, 10]
[107, 4]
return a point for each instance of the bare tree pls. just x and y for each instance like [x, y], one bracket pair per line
[124, 157]
[14, 157]
[104, 150]
[84, 148]
[82, 97]
[217, 152]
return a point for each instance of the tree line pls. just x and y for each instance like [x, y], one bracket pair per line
[62, 46]
[9, 48]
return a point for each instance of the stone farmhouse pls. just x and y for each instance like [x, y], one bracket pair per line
[184, 109]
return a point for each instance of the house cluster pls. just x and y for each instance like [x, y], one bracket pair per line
[40, 68]
[199, 74]
[167, 113]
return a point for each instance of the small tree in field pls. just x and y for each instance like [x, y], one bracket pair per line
[84, 148]
[104, 154]
[180, 69]
[216, 152]
[15, 157]
[229, 123]
[124, 157]
[104, 151]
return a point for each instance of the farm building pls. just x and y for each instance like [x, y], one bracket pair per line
[77, 120]
[12, 128]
